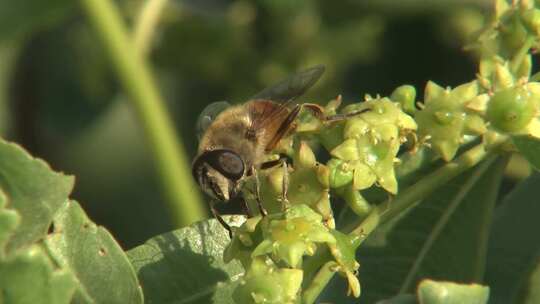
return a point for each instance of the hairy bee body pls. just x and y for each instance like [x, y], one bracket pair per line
[235, 129]
[237, 140]
[229, 131]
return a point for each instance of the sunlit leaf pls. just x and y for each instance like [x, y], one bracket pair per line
[187, 265]
[432, 292]
[29, 276]
[101, 267]
[33, 190]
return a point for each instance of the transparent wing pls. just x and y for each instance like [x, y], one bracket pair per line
[293, 86]
[208, 115]
[284, 93]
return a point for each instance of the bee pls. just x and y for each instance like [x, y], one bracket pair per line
[236, 140]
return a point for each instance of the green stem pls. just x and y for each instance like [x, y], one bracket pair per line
[425, 186]
[183, 200]
[404, 200]
[146, 24]
[319, 282]
[515, 62]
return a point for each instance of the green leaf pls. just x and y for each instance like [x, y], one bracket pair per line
[187, 265]
[514, 242]
[101, 267]
[443, 237]
[29, 277]
[21, 17]
[34, 191]
[9, 219]
[432, 292]
[529, 148]
[532, 286]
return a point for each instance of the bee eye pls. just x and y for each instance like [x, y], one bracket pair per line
[226, 162]
[229, 164]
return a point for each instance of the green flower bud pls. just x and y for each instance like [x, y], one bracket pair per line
[526, 5]
[303, 156]
[331, 136]
[355, 127]
[304, 186]
[244, 239]
[513, 34]
[295, 236]
[332, 106]
[533, 128]
[465, 92]
[406, 96]
[324, 208]
[341, 172]
[503, 77]
[443, 118]
[323, 175]
[478, 104]
[348, 150]
[433, 91]
[524, 69]
[363, 177]
[268, 284]
[474, 125]
[501, 7]
[487, 67]
[511, 110]
[344, 253]
[531, 20]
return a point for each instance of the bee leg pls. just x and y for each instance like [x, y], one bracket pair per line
[246, 206]
[341, 117]
[220, 219]
[273, 163]
[285, 185]
[258, 192]
[318, 112]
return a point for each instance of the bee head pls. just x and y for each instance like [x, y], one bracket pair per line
[219, 172]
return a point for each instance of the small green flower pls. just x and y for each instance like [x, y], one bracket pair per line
[510, 29]
[341, 172]
[244, 241]
[511, 110]
[293, 236]
[264, 283]
[372, 141]
[307, 184]
[531, 20]
[406, 96]
[344, 253]
[446, 117]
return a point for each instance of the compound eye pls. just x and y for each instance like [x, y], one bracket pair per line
[229, 164]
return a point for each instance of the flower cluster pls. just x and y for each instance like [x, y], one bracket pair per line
[300, 220]
[363, 141]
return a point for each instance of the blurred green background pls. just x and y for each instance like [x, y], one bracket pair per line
[60, 98]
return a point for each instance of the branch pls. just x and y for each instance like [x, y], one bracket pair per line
[183, 202]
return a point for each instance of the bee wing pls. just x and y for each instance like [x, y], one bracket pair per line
[282, 95]
[208, 115]
[293, 86]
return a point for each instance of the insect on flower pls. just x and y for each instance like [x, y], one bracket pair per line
[235, 139]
